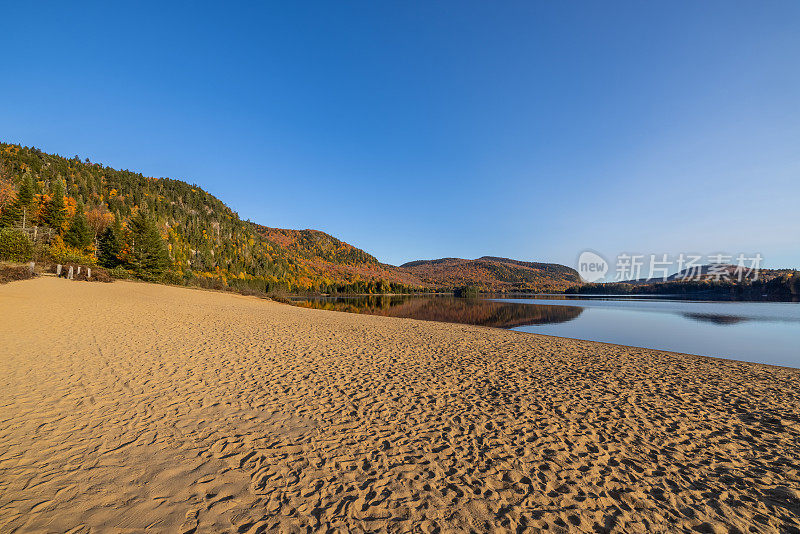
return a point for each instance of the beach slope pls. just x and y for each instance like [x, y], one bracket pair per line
[130, 406]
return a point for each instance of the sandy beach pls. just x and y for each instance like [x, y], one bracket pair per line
[128, 406]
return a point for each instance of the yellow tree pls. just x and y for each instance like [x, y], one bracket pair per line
[8, 193]
[98, 219]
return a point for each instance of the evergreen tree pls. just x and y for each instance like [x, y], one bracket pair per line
[25, 198]
[25, 195]
[149, 255]
[110, 246]
[55, 212]
[79, 235]
[12, 213]
[18, 211]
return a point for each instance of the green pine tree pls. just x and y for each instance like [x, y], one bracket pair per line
[25, 198]
[11, 214]
[149, 257]
[79, 235]
[110, 246]
[55, 212]
[25, 194]
[18, 211]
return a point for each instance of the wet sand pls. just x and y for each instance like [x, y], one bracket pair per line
[126, 407]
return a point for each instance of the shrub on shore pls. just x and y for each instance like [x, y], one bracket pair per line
[98, 275]
[172, 278]
[10, 273]
[58, 253]
[466, 291]
[15, 245]
[120, 273]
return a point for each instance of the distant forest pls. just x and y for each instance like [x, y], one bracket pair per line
[779, 285]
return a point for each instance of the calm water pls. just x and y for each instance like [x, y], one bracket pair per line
[764, 332]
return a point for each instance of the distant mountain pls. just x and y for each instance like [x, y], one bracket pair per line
[713, 272]
[706, 283]
[494, 274]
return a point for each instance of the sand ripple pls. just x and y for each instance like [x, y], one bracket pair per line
[127, 407]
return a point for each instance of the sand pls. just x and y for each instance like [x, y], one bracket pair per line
[127, 407]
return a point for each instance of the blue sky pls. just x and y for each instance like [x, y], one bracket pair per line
[531, 130]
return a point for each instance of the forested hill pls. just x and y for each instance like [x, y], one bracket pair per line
[494, 274]
[87, 212]
[313, 243]
[328, 256]
[71, 210]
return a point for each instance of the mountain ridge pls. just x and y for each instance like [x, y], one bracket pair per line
[493, 273]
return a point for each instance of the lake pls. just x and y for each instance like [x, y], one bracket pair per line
[763, 332]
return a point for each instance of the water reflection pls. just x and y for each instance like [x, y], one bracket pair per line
[715, 318]
[449, 309]
[766, 332]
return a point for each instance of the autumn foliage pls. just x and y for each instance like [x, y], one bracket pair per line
[112, 217]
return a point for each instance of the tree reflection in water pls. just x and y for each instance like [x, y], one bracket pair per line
[448, 309]
[715, 318]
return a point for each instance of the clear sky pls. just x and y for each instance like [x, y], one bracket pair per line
[531, 130]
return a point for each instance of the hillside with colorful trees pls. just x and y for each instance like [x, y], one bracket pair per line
[494, 274]
[61, 210]
[327, 256]
[66, 210]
